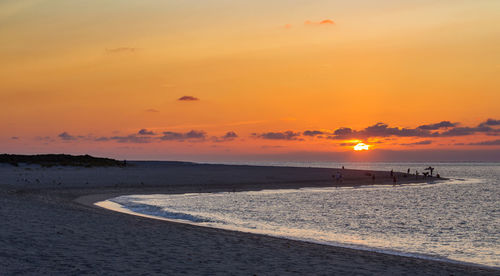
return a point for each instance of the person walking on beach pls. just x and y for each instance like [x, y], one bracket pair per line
[338, 177]
[392, 172]
[408, 172]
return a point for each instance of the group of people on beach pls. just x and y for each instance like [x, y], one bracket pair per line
[430, 170]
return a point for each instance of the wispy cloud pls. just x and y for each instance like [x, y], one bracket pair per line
[66, 136]
[379, 130]
[443, 124]
[121, 50]
[313, 133]
[490, 122]
[229, 136]
[286, 135]
[486, 143]
[193, 135]
[145, 132]
[424, 142]
[324, 22]
[465, 131]
[152, 110]
[327, 22]
[188, 98]
[132, 138]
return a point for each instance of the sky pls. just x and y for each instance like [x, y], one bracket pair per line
[229, 80]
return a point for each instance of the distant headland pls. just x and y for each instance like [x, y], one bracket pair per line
[50, 160]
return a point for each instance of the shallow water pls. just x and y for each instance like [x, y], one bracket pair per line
[457, 220]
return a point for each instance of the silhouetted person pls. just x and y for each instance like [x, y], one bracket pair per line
[438, 176]
[342, 167]
[338, 177]
[392, 173]
[416, 174]
[408, 172]
[432, 170]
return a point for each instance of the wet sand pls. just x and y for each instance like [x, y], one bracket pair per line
[49, 226]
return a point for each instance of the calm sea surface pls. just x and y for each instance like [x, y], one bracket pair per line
[458, 220]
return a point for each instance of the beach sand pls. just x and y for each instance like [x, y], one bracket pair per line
[49, 226]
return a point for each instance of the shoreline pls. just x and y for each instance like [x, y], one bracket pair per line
[93, 200]
[67, 235]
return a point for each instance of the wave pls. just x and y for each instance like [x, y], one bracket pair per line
[157, 211]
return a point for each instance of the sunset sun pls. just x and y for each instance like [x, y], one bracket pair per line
[361, 146]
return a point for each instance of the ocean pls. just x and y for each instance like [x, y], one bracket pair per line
[456, 220]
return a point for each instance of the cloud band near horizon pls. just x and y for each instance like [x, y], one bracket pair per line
[443, 129]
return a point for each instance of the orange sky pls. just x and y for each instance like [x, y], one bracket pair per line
[100, 71]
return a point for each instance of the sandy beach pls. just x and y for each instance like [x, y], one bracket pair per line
[51, 227]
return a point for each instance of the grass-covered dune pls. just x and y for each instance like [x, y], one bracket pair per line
[49, 160]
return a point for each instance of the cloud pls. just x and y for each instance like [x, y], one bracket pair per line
[327, 22]
[179, 136]
[132, 138]
[441, 129]
[465, 131]
[486, 143]
[379, 130]
[152, 110]
[442, 124]
[121, 50]
[147, 136]
[229, 136]
[347, 144]
[14, 138]
[312, 133]
[193, 134]
[145, 132]
[424, 142]
[66, 136]
[490, 122]
[343, 131]
[188, 98]
[286, 135]
[101, 139]
[169, 135]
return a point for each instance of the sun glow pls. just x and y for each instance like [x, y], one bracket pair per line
[361, 146]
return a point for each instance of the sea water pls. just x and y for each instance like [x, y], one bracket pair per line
[457, 220]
